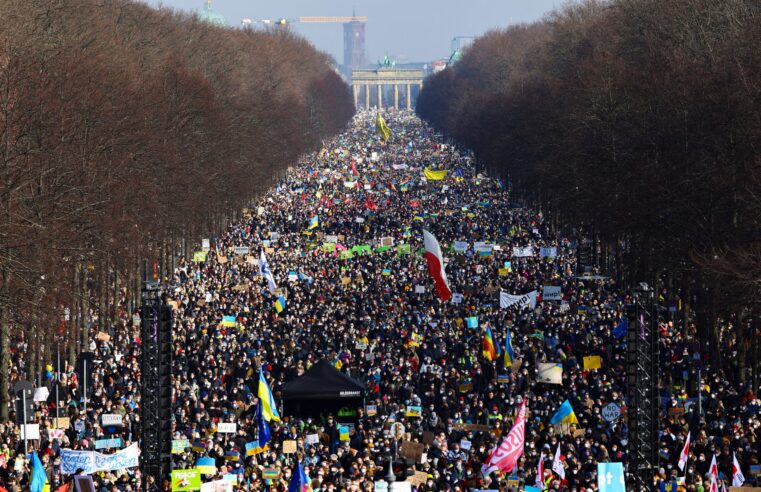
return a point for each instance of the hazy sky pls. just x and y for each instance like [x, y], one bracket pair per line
[410, 30]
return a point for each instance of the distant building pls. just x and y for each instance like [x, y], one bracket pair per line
[211, 16]
[354, 46]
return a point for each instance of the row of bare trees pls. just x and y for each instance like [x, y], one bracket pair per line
[637, 121]
[130, 133]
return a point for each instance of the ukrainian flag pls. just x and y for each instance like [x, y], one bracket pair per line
[280, 304]
[269, 410]
[491, 351]
[509, 355]
[39, 477]
[564, 415]
[228, 321]
[432, 175]
[206, 466]
[314, 222]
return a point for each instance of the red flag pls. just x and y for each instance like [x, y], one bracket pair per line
[354, 168]
[506, 456]
[436, 265]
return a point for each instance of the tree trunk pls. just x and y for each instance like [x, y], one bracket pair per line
[5, 343]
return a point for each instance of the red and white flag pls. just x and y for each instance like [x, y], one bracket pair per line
[506, 456]
[685, 453]
[557, 464]
[714, 469]
[738, 479]
[436, 265]
[540, 472]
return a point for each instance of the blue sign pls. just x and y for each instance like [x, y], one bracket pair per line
[108, 443]
[610, 477]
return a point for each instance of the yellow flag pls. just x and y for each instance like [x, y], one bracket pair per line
[432, 175]
[383, 130]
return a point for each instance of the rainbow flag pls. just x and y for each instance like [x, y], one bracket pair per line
[491, 351]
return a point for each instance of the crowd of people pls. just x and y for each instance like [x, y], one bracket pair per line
[373, 314]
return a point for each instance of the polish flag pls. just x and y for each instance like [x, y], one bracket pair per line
[506, 456]
[738, 479]
[436, 265]
[685, 453]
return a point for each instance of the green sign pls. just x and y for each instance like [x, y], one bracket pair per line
[345, 255]
[199, 256]
[328, 247]
[403, 249]
[186, 480]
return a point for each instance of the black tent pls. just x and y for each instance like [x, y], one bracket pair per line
[321, 390]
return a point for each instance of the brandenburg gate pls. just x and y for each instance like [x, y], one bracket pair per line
[369, 78]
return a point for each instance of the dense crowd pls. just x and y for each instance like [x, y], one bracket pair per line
[374, 315]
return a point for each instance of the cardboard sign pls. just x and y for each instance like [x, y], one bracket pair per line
[289, 446]
[56, 434]
[241, 250]
[418, 479]
[412, 450]
[465, 387]
[63, 422]
[550, 373]
[472, 427]
[103, 337]
[372, 410]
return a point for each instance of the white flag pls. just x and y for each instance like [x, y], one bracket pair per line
[264, 271]
[737, 475]
[685, 453]
[557, 465]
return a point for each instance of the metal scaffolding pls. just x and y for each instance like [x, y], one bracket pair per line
[156, 402]
[642, 376]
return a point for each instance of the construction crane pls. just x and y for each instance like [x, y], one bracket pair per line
[331, 20]
[354, 34]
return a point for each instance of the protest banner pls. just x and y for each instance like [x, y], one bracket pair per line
[92, 461]
[509, 300]
[552, 293]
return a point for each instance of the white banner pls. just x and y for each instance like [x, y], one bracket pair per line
[551, 293]
[460, 246]
[399, 167]
[509, 300]
[217, 486]
[526, 252]
[93, 462]
[30, 431]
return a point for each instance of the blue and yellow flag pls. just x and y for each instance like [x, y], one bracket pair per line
[280, 304]
[206, 465]
[509, 355]
[267, 402]
[228, 321]
[314, 222]
[265, 435]
[39, 477]
[564, 415]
